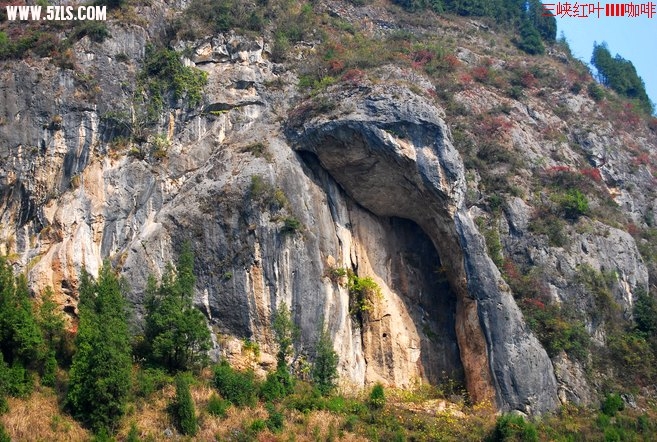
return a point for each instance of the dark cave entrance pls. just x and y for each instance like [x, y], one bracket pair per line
[420, 279]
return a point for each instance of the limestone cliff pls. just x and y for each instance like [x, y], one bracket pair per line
[275, 189]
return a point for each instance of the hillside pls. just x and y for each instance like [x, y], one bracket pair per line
[438, 185]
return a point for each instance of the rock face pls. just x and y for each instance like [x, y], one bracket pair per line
[276, 194]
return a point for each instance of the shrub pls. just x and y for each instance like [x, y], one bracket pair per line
[275, 419]
[612, 404]
[239, 388]
[291, 225]
[363, 292]
[573, 204]
[4, 437]
[595, 92]
[217, 406]
[377, 399]
[555, 329]
[509, 428]
[645, 313]
[150, 380]
[277, 385]
[184, 413]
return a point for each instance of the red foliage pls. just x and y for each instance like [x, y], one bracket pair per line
[421, 58]
[641, 159]
[632, 229]
[353, 76]
[465, 79]
[493, 125]
[593, 173]
[534, 303]
[481, 73]
[557, 169]
[336, 66]
[528, 80]
[432, 93]
[511, 270]
[452, 62]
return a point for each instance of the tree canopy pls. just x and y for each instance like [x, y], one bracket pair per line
[101, 369]
[620, 75]
[177, 335]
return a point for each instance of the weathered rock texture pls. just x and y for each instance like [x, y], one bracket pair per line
[369, 171]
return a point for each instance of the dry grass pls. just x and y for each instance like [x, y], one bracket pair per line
[39, 419]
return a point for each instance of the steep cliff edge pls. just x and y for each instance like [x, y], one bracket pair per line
[381, 175]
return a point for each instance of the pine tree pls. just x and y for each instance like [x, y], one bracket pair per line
[325, 366]
[177, 335]
[183, 407]
[101, 368]
[21, 343]
[620, 75]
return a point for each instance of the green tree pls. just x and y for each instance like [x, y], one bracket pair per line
[325, 366]
[620, 75]
[21, 343]
[101, 368]
[645, 314]
[280, 383]
[177, 335]
[377, 399]
[20, 337]
[183, 407]
[286, 334]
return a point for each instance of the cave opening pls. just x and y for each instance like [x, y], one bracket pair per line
[408, 260]
[420, 279]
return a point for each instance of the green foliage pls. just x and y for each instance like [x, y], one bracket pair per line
[266, 195]
[546, 223]
[57, 340]
[21, 342]
[217, 406]
[573, 204]
[556, 330]
[278, 385]
[645, 313]
[176, 333]
[164, 77]
[632, 357]
[363, 293]
[291, 225]
[275, 419]
[325, 365]
[493, 242]
[595, 92]
[509, 428]
[612, 404]
[100, 374]
[377, 398]
[4, 437]
[286, 333]
[239, 388]
[150, 380]
[184, 413]
[530, 39]
[620, 75]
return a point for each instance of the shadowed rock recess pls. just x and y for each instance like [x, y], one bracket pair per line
[392, 155]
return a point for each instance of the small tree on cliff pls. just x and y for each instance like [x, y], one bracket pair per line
[325, 365]
[100, 371]
[177, 336]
